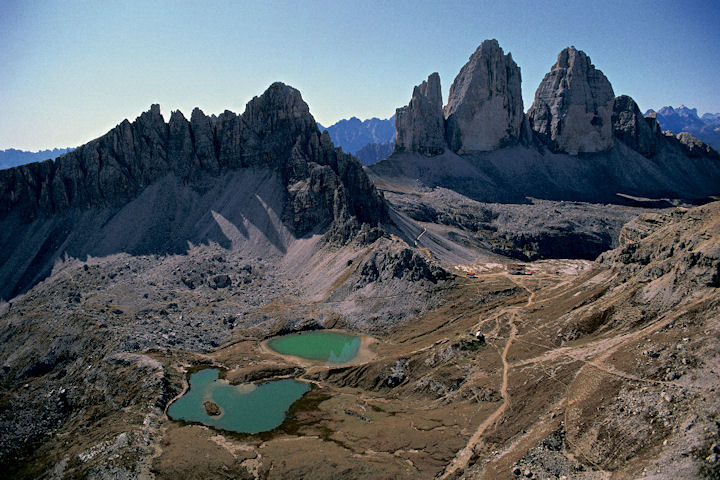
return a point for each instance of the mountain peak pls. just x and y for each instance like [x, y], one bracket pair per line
[573, 106]
[485, 107]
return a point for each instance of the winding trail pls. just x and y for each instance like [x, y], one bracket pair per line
[418, 237]
[463, 456]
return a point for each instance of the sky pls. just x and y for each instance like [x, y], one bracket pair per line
[72, 70]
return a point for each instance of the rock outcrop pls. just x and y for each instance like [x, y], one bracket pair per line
[420, 126]
[684, 119]
[573, 106]
[693, 146]
[323, 185]
[644, 135]
[632, 128]
[485, 107]
[678, 244]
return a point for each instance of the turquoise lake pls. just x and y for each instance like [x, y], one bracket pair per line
[245, 408]
[328, 347]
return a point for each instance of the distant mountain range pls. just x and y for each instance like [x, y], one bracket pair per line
[12, 157]
[353, 135]
[685, 119]
[374, 152]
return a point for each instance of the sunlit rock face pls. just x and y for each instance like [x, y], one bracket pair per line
[485, 106]
[573, 106]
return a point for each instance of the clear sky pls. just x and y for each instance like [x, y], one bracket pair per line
[72, 70]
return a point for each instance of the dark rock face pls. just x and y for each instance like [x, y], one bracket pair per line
[629, 126]
[485, 107]
[420, 126]
[374, 152]
[277, 131]
[573, 106]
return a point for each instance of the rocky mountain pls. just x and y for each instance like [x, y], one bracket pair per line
[353, 134]
[684, 119]
[640, 133]
[420, 126]
[711, 118]
[514, 317]
[12, 157]
[584, 145]
[485, 107]
[296, 184]
[374, 152]
[679, 119]
[573, 106]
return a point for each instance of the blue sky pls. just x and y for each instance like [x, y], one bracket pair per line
[72, 70]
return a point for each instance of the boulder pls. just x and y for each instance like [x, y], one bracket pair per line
[485, 106]
[220, 281]
[420, 126]
[573, 106]
[212, 408]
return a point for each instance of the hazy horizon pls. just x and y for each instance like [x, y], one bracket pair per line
[74, 70]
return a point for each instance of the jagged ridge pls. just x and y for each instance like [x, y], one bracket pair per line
[276, 131]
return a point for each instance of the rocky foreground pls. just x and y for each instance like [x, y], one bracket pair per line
[587, 368]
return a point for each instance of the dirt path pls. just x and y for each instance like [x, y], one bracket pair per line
[603, 348]
[418, 237]
[463, 456]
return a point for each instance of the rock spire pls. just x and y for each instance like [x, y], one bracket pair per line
[420, 126]
[485, 107]
[573, 106]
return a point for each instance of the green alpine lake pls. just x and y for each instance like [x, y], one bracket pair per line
[329, 347]
[245, 408]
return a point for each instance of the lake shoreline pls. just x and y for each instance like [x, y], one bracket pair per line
[363, 355]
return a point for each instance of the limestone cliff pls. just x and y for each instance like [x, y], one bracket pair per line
[573, 106]
[420, 126]
[485, 107]
[631, 127]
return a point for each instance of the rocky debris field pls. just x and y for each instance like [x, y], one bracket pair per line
[538, 230]
[92, 349]
[582, 369]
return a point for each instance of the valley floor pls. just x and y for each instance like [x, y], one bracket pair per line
[606, 369]
[545, 395]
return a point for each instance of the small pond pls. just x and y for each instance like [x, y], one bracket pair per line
[242, 408]
[329, 347]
